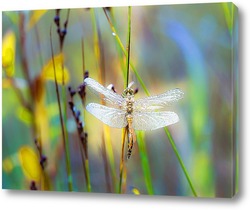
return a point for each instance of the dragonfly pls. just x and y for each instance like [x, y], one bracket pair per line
[124, 111]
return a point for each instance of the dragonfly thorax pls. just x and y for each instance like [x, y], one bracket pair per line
[128, 94]
[129, 104]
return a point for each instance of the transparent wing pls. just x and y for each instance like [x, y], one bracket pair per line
[153, 120]
[108, 95]
[158, 101]
[110, 116]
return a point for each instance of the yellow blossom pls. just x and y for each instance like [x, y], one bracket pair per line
[8, 53]
[30, 163]
[48, 70]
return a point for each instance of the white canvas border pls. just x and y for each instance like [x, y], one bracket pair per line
[30, 200]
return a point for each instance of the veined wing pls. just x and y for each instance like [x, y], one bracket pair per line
[158, 101]
[110, 116]
[108, 95]
[153, 120]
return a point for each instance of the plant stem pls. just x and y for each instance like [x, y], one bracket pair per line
[83, 59]
[170, 138]
[128, 43]
[127, 67]
[105, 162]
[62, 35]
[108, 154]
[88, 175]
[122, 159]
[30, 105]
[125, 53]
[84, 150]
[120, 53]
[65, 144]
[145, 162]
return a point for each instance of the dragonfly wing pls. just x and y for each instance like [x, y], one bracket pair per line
[108, 95]
[158, 101]
[153, 120]
[110, 116]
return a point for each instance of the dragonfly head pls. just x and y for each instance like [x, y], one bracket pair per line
[128, 92]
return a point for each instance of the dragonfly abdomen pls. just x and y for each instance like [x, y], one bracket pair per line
[131, 135]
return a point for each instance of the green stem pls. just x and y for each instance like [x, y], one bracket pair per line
[67, 151]
[122, 160]
[110, 155]
[85, 159]
[148, 94]
[120, 53]
[88, 175]
[145, 162]
[171, 140]
[125, 53]
[128, 44]
[127, 67]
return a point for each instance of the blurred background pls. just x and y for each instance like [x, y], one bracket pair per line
[192, 47]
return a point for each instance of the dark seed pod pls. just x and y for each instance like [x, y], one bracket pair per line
[57, 20]
[33, 185]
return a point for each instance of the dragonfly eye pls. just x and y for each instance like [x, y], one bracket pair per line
[128, 92]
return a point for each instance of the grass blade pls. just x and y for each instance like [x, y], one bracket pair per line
[171, 140]
[144, 162]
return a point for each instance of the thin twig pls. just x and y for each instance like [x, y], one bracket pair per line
[61, 34]
[82, 136]
[68, 168]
